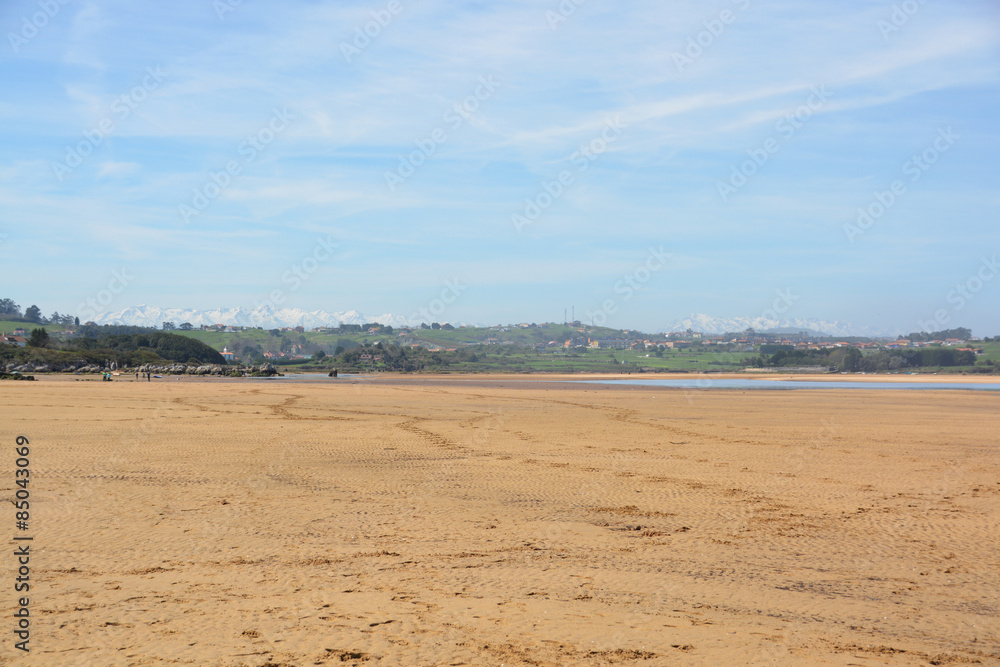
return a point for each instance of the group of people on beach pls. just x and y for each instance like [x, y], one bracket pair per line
[106, 376]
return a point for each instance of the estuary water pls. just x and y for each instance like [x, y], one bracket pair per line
[740, 383]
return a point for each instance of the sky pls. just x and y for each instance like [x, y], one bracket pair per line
[500, 162]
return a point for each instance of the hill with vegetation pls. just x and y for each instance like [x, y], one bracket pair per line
[546, 347]
[47, 352]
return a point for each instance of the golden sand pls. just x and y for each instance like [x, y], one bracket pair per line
[515, 522]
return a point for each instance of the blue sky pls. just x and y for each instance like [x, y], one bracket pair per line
[673, 126]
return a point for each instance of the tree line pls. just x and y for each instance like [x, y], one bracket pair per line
[9, 310]
[129, 348]
[852, 360]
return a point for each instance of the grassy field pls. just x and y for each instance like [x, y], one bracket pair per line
[991, 351]
[8, 327]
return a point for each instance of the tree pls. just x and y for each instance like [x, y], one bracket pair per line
[187, 326]
[169, 326]
[961, 333]
[166, 345]
[9, 308]
[55, 317]
[319, 355]
[76, 321]
[39, 338]
[33, 314]
[447, 326]
[852, 360]
[435, 325]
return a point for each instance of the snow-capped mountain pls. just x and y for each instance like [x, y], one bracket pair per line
[262, 316]
[718, 325]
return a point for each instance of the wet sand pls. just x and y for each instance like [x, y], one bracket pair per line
[504, 521]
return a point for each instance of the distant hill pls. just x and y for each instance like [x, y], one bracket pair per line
[268, 317]
[719, 325]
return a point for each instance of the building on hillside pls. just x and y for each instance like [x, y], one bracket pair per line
[20, 341]
[609, 343]
[227, 355]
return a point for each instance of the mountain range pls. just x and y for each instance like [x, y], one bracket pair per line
[262, 316]
[718, 325]
[268, 317]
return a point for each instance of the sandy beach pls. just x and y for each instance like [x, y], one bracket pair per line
[503, 521]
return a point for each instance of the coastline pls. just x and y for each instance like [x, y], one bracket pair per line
[527, 379]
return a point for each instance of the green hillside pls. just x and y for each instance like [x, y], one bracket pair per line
[533, 348]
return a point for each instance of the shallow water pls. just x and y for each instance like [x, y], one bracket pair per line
[705, 383]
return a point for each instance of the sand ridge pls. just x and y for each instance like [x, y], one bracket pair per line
[282, 523]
